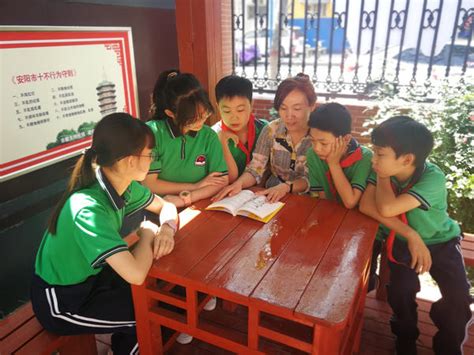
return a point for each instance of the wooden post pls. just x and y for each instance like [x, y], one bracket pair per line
[199, 33]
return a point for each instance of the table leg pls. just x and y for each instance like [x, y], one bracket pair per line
[254, 320]
[326, 341]
[149, 344]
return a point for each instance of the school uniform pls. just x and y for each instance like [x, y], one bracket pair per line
[187, 158]
[441, 235]
[73, 290]
[242, 153]
[356, 170]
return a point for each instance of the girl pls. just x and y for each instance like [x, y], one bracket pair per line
[83, 267]
[282, 144]
[189, 164]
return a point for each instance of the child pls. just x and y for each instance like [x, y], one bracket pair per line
[282, 145]
[189, 164]
[404, 185]
[83, 267]
[239, 129]
[338, 166]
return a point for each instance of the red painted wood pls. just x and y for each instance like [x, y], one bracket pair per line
[286, 281]
[149, 344]
[21, 335]
[15, 319]
[329, 296]
[285, 339]
[244, 271]
[195, 245]
[209, 266]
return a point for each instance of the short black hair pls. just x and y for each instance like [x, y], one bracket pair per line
[232, 85]
[405, 136]
[333, 118]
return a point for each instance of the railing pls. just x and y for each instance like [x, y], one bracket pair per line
[352, 47]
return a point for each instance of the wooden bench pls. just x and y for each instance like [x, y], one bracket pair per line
[467, 248]
[21, 333]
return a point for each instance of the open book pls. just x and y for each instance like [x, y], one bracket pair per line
[247, 204]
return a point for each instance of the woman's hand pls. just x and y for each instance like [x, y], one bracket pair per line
[275, 193]
[163, 242]
[212, 179]
[147, 229]
[231, 190]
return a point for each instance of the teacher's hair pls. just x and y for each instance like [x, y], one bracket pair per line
[116, 136]
[182, 94]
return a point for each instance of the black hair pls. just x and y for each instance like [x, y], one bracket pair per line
[232, 85]
[182, 94]
[300, 82]
[333, 118]
[405, 136]
[115, 136]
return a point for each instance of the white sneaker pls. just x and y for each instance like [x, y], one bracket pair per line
[211, 304]
[184, 338]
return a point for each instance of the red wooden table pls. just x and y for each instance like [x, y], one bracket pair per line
[302, 279]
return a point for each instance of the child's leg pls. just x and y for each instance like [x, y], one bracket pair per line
[402, 290]
[373, 277]
[451, 313]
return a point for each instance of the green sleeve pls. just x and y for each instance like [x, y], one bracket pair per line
[314, 184]
[430, 190]
[215, 154]
[137, 197]
[362, 170]
[372, 179]
[95, 235]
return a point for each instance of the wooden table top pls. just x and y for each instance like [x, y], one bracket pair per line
[306, 263]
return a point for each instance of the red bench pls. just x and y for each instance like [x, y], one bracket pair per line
[21, 333]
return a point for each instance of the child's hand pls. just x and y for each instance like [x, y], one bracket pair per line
[175, 200]
[212, 179]
[338, 149]
[420, 255]
[231, 190]
[225, 136]
[275, 193]
[163, 243]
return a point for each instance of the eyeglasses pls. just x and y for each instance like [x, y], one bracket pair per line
[151, 156]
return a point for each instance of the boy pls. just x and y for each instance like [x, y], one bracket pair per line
[238, 130]
[404, 185]
[338, 166]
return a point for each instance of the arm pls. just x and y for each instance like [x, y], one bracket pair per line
[390, 205]
[164, 241]
[224, 138]
[276, 193]
[163, 187]
[244, 181]
[134, 266]
[350, 196]
[421, 257]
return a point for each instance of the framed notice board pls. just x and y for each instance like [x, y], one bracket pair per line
[56, 84]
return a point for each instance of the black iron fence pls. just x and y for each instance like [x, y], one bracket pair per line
[352, 47]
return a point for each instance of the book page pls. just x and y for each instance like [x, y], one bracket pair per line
[260, 207]
[233, 203]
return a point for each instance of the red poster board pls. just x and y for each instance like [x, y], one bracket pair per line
[56, 84]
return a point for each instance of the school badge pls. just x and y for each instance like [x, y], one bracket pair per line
[200, 160]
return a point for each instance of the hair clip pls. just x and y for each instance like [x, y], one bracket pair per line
[172, 75]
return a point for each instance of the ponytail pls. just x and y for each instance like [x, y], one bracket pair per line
[182, 94]
[115, 137]
[83, 175]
